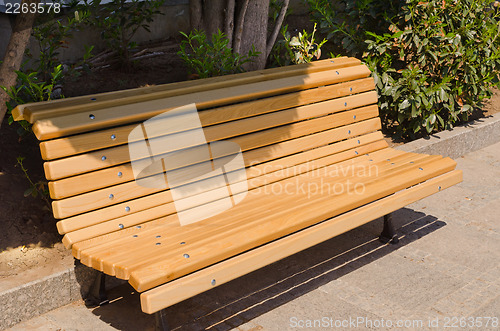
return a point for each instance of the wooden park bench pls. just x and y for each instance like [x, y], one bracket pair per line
[315, 161]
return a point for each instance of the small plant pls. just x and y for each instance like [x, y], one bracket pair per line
[39, 188]
[51, 36]
[297, 49]
[209, 58]
[119, 20]
[30, 88]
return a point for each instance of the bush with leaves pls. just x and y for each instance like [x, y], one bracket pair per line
[437, 63]
[209, 58]
[119, 21]
[345, 22]
[433, 61]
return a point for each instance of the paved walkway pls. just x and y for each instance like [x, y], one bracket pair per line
[446, 267]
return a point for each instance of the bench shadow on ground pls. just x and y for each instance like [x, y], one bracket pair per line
[239, 301]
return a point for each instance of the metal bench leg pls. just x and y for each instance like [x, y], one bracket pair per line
[161, 320]
[388, 234]
[97, 295]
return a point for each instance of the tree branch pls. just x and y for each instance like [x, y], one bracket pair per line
[229, 23]
[239, 27]
[277, 27]
[14, 54]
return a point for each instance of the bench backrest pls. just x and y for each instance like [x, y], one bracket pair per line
[278, 117]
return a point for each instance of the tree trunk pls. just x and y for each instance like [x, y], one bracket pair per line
[14, 54]
[255, 33]
[245, 23]
[208, 15]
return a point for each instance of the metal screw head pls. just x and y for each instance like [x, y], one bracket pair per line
[158, 236]
[350, 89]
[120, 226]
[93, 99]
[111, 196]
[120, 174]
[138, 226]
[135, 236]
[356, 152]
[345, 104]
[183, 243]
[186, 256]
[103, 158]
[91, 116]
[332, 61]
[420, 169]
[439, 188]
[113, 137]
[158, 244]
[349, 132]
[354, 117]
[359, 141]
[127, 208]
[213, 282]
[337, 72]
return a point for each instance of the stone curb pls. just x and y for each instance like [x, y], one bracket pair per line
[459, 141]
[37, 297]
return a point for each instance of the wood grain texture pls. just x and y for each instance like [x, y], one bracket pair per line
[61, 126]
[257, 177]
[130, 190]
[41, 110]
[367, 144]
[376, 156]
[115, 259]
[223, 272]
[289, 218]
[63, 147]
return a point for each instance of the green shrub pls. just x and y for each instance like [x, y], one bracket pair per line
[209, 58]
[437, 63]
[345, 22]
[51, 35]
[433, 62]
[119, 20]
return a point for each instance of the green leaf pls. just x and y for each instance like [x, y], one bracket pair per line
[405, 104]
[29, 192]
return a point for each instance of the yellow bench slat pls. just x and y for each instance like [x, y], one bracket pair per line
[41, 110]
[102, 118]
[123, 192]
[87, 231]
[62, 147]
[117, 211]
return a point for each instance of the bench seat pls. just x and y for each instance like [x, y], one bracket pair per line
[315, 160]
[157, 253]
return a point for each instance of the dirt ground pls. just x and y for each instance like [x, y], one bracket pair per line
[28, 235]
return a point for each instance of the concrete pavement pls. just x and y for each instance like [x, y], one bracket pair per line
[444, 272]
